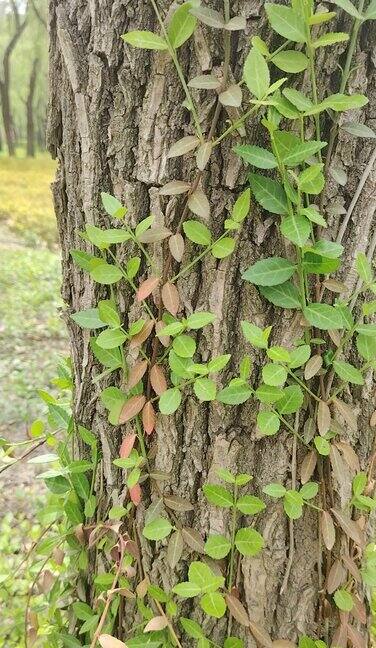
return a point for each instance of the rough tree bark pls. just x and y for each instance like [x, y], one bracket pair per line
[19, 26]
[30, 125]
[114, 112]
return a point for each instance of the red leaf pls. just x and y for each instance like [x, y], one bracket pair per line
[127, 446]
[148, 418]
[147, 287]
[131, 408]
[136, 373]
[135, 494]
[164, 339]
[143, 335]
[170, 298]
[158, 380]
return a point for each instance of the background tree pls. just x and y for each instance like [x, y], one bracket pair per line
[114, 113]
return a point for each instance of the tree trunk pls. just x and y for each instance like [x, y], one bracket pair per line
[30, 127]
[114, 112]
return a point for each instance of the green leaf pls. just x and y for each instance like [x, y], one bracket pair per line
[309, 490]
[182, 25]
[169, 401]
[348, 373]
[268, 394]
[213, 604]
[200, 574]
[82, 611]
[255, 335]
[323, 316]
[348, 6]
[298, 99]
[157, 529]
[343, 600]
[171, 329]
[366, 347]
[223, 248]
[82, 259]
[316, 264]
[250, 505]
[217, 546]
[145, 40]
[241, 207]
[290, 61]
[234, 394]
[299, 356]
[187, 589]
[301, 152]
[205, 389]
[278, 354]
[249, 542]
[328, 249]
[341, 102]
[184, 346]
[104, 273]
[108, 313]
[219, 363]
[111, 338]
[296, 228]
[285, 295]
[218, 495]
[358, 130]
[330, 38]
[200, 319]
[293, 504]
[274, 490]
[269, 272]
[269, 193]
[291, 401]
[192, 628]
[359, 483]
[197, 232]
[274, 374]
[322, 446]
[112, 205]
[314, 215]
[88, 318]
[371, 11]
[257, 156]
[110, 358]
[364, 268]
[256, 74]
[367, 329]
[286, 22]
[312, 180]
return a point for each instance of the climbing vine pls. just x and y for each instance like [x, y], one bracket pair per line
[151, 353]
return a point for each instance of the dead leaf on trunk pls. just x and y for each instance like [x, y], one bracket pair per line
[148, 418]
[170, 298]
[175, 549]
[142, 336]
[350, 527]
[176, 245]
[308, 466]
[260, 634]
[157, 623]
[136, 374]
[127, 446]
[237, 610]
[158, 380]
[146, 287]
[324, 418]
[131, 408]
[107, 641]
[193, 539]
[336, 576]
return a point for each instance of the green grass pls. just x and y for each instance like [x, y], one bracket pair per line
[25, 197]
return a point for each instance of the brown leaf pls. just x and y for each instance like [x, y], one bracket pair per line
[356, 638]
[58, 555]
[328, 530]
[135, 494]
[174, 188]
[335, 286]
[131, 408]
[351, 566]
[107, 641]
[147, 287]
[164, 339]
[372, 421]
[170, 298]
[176, 245]
[359, 610]
[143, 335]
[203, 155]
[142, 587]
[199, 204]
[154, 235]
[136, 373]
[349, 455]
[205, 82]
[237, 610]
[182, 146]
[158, 380]
[175, 549]
[236, 23]
[157, 623]
[127, 446]
[260, 634]
[338, 466]
[231, 97]
[336, 576]
[349, 527]
[340, 637]
[335, 337]
[347, 413]
[324, 418]
[308, 466]
[122, 591]
[178, 503]
[193, 539]
[313, 366]
[148, 418]
[309, 430]
[160, 475]
[283, 643]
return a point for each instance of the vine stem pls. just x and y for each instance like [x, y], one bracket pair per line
[291, 521]
[233, 532]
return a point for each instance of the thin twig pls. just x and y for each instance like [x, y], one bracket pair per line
[291, 522]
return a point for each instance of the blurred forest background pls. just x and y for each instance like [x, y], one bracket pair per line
[32, 337]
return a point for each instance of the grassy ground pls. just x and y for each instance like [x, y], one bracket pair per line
[25, 197]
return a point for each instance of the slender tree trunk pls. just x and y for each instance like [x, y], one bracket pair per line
[30, 126]
[114, 112]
